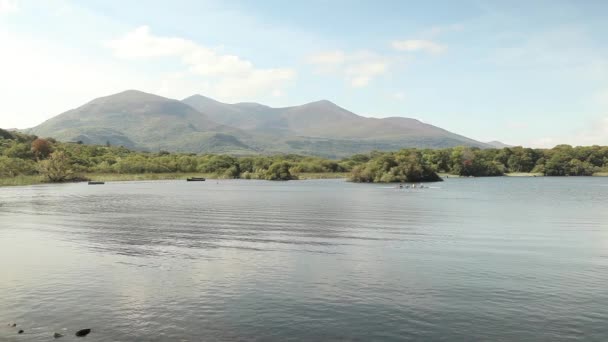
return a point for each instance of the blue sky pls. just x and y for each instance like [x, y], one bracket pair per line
[533, 73]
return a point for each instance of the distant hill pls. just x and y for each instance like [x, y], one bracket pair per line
[200, 124]
[140, 120]
[326, 120]
[498, 144]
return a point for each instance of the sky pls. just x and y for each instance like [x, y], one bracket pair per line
[532, 73]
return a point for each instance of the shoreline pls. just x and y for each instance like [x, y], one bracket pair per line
[126, 177]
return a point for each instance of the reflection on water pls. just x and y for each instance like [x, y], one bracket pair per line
[472, 259]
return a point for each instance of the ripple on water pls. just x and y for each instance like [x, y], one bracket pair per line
[476, 259]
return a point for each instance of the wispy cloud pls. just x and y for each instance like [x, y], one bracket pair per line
[328, 58]
[415, 45]
[8, 6]
[234, 76]
[358, 68]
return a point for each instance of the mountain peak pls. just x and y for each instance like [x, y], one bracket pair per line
[141, 120]
[322, 103]
[498, 144]
[134, 92]
[199, 97]
[130, 95]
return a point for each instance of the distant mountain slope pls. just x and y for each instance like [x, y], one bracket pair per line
[202, 125]
[498, 144]
[138, 120]
[324, 119]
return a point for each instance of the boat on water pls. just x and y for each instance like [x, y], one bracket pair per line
[196, 179]
[96, 183]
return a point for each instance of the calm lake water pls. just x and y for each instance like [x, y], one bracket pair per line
[485, 259]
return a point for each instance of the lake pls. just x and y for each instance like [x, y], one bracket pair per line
[483, 259]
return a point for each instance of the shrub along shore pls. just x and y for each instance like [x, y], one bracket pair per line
[27, 159]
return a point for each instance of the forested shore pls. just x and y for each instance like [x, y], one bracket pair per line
[28, 159]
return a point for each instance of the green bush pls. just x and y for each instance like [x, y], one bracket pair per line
[279, 171]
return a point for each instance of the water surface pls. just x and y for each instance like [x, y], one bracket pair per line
[502, 259]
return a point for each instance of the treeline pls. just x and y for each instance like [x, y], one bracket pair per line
[562, 160]
[411, 165]
[22, 154]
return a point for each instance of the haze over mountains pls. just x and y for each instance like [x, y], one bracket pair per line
[199, 124]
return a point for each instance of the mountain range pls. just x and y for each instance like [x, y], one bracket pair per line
[199, 124]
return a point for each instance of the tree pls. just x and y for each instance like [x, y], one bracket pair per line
[580, 168]
[11, 167]
[41, 148]
[279, 171]
[19, 150]
[4, 134]
[404, 166]
[57, 168]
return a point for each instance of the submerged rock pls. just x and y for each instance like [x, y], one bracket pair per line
[83, 332]
[20, 332]
[13, 325]
[57, 335]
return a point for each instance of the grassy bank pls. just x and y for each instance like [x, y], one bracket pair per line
[21, 180]
[118, 177]
[530, 174]
[112, 177]
[323, 175]
[448, 175]
[122, 177]
[524, 174]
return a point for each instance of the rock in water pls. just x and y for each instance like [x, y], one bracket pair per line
[14, 325]
[20, 332]
[83, 332]
[57, 335]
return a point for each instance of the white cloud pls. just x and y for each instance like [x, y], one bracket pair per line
[358, 68]
[328, 58]
[8, 6]
[233, 76]
[139, 43]
[361, 74]
[40, 80]
[414, 45]
[60, 78]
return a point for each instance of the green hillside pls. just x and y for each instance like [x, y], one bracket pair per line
[198, 124]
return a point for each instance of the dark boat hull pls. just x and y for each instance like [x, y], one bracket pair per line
[196, 179]
[96, 183]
